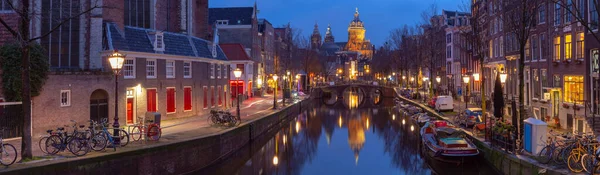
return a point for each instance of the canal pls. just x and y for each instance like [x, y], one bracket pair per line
[343, 139]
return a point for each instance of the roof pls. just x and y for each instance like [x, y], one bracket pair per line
[341, 44]
[235, 52]
[235, 15]
[139, 40]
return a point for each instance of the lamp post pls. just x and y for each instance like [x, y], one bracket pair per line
[275, 92]
[438, 79]
[238, 73]
[466, 79]
[116, 60]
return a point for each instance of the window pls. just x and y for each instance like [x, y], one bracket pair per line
[542, 14]
[170, 69]
[557, 48]
[534, 48]
[129, 68]
[557, 82]
[527, 51]
[218, 71]
[448, 38]
[5, 6]
[151, 100]
[501, 46]
[170, 100]
[224, 69]
[212, 96]
[557, 14]
[222, 22]
[187, 98]
[448, 51]
[150, 68]
[536, 84]
[573, 89]
[593, 16]
[568, 47]
[159, 42]
[138, 13]
[205, 95]
[567, 13]
[581, 6]
[544, 77]
[65, 98]
[62, 45]
[212, 71]
[187, 70]
[580, 46]
[594, 55]
[220, 95]
[543, 46]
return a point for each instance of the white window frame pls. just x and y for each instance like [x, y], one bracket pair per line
[153, 70]
[68, 100]
[222, 22]
[159, 41]
[4, 3]
[218, 71]
[170, 64]
[224, 70]
[189, 67]
[132, 75]
[212, 71]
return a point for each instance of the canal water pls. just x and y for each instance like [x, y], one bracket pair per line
[343, 139]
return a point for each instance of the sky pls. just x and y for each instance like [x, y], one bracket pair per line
[379, 16]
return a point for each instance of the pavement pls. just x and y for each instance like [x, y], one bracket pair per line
[172, 130]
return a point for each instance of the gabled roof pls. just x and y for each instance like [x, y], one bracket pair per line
[235, 52]
[235, 15]
[139, 40]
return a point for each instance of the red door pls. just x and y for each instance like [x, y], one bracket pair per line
[170, 100]
[151, 100]
[129, 110]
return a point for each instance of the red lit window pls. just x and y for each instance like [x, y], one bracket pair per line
[170, 100]
[205, 89]
[151, 100]
[187, 98]
[212, 96]
[220, 95]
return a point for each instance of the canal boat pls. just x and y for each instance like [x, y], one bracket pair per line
[421, 118]
[443, 140]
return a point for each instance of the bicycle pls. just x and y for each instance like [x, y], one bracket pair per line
[107, 137]
[574, 161]
[151, 131]
[42, 142]
[8, 151]
[223, 118]
[76, 143]
[547, 153]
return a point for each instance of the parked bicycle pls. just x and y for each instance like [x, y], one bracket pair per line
[108, 138]
[42, 142]
[223, 118]
[8, 151]
[151, 131]
[77, 142]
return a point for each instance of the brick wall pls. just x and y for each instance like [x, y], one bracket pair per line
[200, 19]
[114, 12]
[167, 16]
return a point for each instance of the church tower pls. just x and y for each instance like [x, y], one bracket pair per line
[356, 33]
[315, 38]
[328, 35]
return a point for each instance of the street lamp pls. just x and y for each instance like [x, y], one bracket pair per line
[476, 77]
[466, 80]
[116, 60]
[438, 79]
[238, 73]
[275, 92]
[503, 77]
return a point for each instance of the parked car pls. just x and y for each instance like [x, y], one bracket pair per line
[444, 103]
[431, 102]
[470, 117]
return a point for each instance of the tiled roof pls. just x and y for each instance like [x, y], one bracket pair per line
[235, 51]
[138, 40]
[341, 44]
[235, 15]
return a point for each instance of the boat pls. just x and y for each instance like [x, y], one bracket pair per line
[442, 139]
[421, 118]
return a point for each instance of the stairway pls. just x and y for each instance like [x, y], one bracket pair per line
[594, 125]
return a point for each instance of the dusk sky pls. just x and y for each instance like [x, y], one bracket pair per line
[379, 16]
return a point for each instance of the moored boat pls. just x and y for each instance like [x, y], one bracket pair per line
[441, 139]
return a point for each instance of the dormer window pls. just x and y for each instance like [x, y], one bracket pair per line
[159, 44]
[222, 22]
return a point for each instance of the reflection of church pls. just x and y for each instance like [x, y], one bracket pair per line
[348, 60]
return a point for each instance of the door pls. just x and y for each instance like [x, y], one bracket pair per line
[99, 105]
[569, 121]
[527, 135]
[555, 102]
[151, 100]
[129, 110]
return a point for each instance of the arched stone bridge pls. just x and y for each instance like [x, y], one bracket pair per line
[335, 93]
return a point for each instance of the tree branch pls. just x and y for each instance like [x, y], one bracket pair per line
[64, 21]
[10, 29]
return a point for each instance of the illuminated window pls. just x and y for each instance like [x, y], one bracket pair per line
[557, 48]
[580, 46]
[568, 47]
[573, 86]
[527, 51]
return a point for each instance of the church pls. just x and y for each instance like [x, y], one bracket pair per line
[349, 60]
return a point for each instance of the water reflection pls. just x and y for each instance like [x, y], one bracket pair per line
[385, 146]
[353, 97]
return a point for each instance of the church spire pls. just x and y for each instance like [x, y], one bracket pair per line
[315, 38]
[356, 22]
[328, 35]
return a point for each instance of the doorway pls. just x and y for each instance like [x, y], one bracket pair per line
[555, 103]
[129, 109]
[99, 105]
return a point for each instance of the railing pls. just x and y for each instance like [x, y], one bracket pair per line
[505, 142]
[11, 117]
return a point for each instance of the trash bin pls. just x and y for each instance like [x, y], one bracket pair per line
[153, 116]
[534, 135]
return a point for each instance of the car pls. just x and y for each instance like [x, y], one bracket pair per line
[470, 117]
[444, 103]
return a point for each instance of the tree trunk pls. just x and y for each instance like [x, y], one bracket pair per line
[26, 145]
[521, 62]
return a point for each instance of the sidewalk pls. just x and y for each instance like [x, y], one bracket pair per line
[172, 130]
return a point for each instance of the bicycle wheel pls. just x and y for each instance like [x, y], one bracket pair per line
[565, 153]
[98, 142]
[9, 154]
[79, 146]
[545, 155]
[154, 132]
[587, 163]
[136, 133]
[574, 162]
[557, 158]
[42, 144]
[53, 144]
[124, 136]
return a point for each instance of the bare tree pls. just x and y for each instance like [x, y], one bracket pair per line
[23, 37]
[433, 38]
[519, 19]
